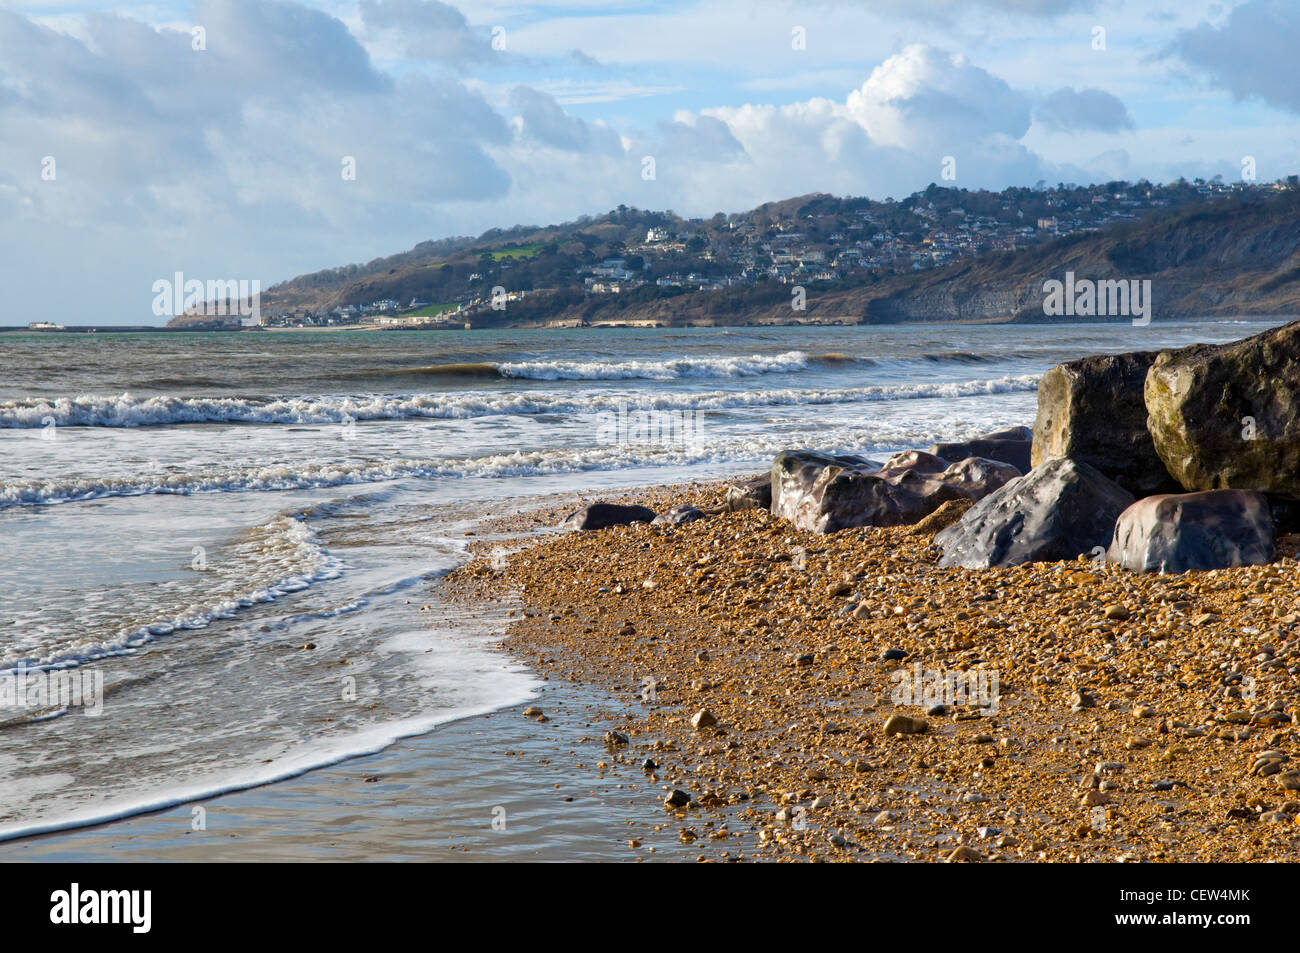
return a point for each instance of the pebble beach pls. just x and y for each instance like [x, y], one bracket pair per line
[792, 696]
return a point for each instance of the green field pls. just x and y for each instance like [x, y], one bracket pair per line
[432, 311]
[523, 251]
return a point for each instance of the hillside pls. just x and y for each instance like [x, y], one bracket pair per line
[938, 255]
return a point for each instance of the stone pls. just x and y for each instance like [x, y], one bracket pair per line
[677, 515]
[754, 493]
[1060, 510]
[677, 799]
[1081, 700]
[1174, 533]
[703, 719]
[602, 515]
[799, 478]
[824, 494]
[905, 725]
[1228, 416]
[532, 711]
[964, 854]
[1093, 410]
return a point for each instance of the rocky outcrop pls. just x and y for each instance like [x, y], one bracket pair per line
[1093, 411]
[1057, 511]
[1173, 533]
[602, 515]
[824, 494]
[1005, 446]
[677, 515]
[752, 494]
[1228, 416]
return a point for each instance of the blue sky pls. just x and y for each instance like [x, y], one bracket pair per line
[142, 139]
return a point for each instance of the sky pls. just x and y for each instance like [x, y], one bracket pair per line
[260, 139]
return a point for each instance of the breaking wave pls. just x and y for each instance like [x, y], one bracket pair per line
[127, 410]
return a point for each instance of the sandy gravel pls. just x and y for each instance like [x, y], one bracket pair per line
[1123, 717]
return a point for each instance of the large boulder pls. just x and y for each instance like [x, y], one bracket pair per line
[601, 515]
[825, 494]
[1092, 410]
[1228, 416]
[1177, 532]
[798, 476]
[1005, 446]
[1057, 511]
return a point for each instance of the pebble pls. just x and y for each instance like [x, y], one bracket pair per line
[905, 725]
[703, 719]
[964, 854]
[677, 799]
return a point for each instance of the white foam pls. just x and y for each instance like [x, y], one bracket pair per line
[786, 363]
[126, 410]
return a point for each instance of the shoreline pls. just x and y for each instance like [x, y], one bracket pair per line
[561, 793]
[798, 766]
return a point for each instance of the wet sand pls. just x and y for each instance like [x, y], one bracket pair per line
[431, 798]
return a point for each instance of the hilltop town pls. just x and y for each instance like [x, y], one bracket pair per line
[633, 266]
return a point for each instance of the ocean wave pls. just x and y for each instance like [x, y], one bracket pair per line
[130, 411]
[677, 369]
[286, 547]
[693, 449]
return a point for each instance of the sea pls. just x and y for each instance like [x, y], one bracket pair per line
[220, 552]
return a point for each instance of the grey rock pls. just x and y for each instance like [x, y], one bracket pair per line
[824, 493]
[601, 515]
[1057, 511]
[1177, 532]
[1093, 410]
